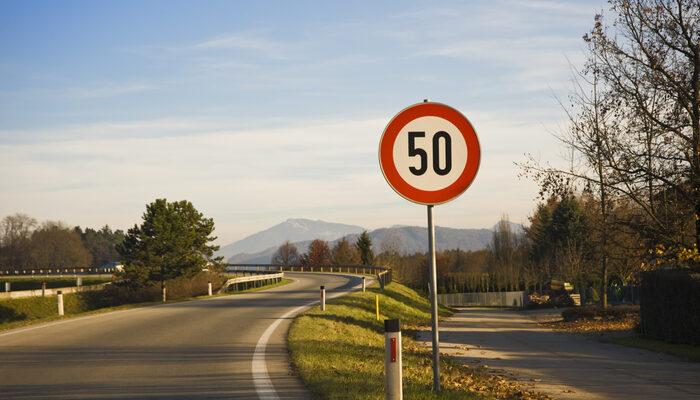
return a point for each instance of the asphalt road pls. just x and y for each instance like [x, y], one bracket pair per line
[564, 365]
[201, 349]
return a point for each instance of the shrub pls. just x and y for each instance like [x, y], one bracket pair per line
[177, 289]
[670, 305]
[184, 287]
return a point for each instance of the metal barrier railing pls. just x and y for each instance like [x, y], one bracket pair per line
[384, 275]
[58, 271]
[262, 278]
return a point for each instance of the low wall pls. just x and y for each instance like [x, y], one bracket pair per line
[486, 299]
[49, 292]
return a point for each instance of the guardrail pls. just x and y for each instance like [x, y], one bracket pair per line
[49, 291]
[264, 279]
[57, 271]
[384, 275]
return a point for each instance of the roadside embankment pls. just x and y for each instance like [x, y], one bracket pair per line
[339, 353]
[31, 310]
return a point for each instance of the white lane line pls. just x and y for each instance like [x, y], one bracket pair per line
[263, 384]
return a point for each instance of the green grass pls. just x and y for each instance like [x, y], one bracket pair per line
[34, 283]
[686, 352]
[339, 353]
[53, 316]
[283, 282]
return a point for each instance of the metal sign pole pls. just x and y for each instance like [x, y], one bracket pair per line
[433, 300]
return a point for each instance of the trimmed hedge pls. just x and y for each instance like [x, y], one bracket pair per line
[670, 305]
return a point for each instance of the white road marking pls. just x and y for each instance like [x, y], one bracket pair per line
[263, 384]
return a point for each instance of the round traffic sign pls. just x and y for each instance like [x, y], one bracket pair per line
[429, 153]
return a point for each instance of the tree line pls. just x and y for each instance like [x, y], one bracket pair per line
[321, 254]
[27, 244]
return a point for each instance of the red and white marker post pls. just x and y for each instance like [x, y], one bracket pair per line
[429, 154]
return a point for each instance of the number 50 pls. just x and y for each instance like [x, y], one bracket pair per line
[423, 155]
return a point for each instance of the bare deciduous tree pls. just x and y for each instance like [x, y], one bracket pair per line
[343, 253]
[54, 245]
[287, 254]
[15, 235]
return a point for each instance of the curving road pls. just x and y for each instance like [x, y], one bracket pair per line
[203, 349]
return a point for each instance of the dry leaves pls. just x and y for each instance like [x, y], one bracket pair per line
[482, 380]
[596, 326]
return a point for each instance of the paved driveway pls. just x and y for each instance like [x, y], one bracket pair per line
[565, 365]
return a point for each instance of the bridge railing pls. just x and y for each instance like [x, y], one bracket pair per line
[384, 275]
[254, 279]
[57, 271]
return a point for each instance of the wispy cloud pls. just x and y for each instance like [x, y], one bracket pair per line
[260, 125]
[247, 41]
[108, 90]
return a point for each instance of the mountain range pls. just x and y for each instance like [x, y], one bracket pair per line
[259, 247]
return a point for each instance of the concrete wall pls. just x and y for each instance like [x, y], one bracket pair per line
[49, 292]
[488, 299]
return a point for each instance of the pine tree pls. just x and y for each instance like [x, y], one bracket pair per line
[172, 241]
[364, 246]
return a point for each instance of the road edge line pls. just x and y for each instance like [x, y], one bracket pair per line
[263, 384]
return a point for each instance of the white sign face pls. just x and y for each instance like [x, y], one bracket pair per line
[430, 153]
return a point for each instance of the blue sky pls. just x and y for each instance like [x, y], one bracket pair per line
[262, 111]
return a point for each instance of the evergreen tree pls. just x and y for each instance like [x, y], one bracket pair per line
[172, 241]
[364, 247]
[102, 244]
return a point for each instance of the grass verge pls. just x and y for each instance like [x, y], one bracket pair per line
[283, 282]
[686, 352]
[339, 353]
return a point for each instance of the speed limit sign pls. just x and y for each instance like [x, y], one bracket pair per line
[429, 153]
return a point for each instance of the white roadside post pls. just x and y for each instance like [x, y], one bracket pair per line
[79, 281]
[59, 298]
[429, 154]
[364, 283]
[164, 293]
[8, 286]
[209, 289]
[392, 359]
[323, 298]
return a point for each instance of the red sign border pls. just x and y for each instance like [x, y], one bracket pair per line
[386, 152]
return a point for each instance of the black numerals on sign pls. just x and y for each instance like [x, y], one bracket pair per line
[413, 151]
[436, 153]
